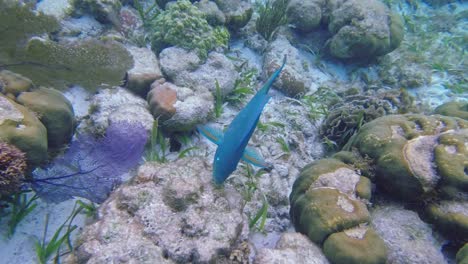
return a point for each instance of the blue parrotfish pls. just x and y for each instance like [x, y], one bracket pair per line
[232, 144]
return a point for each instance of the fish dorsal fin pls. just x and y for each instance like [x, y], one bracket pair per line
[213, 134]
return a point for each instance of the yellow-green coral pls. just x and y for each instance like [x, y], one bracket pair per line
[183, 25]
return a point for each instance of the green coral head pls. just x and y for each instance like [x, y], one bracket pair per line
[184, 25]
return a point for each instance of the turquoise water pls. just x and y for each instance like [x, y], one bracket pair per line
[364, 137]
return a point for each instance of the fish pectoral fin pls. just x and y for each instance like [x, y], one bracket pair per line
[213, 134]
[251, 156]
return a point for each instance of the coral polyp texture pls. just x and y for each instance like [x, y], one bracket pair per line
[183, 25]
[328, 204]
[12, 168]
[416, 154]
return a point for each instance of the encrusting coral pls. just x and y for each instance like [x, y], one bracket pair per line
[12, 168]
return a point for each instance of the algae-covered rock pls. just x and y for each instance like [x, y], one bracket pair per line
[456, 109]
[305, 16]
[54, 111]
[294, 79]
[89, 63]
[237, 12]
[450, 217]
[21, 128]
[104, 11]
[462, 255]
[360, 245]
[364, 29]
[17, 23]
[183, 25]
[144, 71]
[170, 211]
[12, 84]
[414, 153]
[214, 16]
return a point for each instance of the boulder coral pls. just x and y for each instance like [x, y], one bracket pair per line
[328, 204]
[358, 28]
[54, 111]
[415, 154]
[20, 127]
[364, 29]
[456, 109]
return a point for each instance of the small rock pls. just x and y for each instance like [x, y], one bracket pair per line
[109, 101]
[293, 80]
[292, 248]
[144, 72]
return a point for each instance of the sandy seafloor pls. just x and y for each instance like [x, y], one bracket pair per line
[19, 249]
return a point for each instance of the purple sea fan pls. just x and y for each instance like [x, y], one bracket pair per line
[92, 167]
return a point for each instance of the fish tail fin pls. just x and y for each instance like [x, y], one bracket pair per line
[213, 134]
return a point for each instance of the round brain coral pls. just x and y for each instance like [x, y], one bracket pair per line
[12, 168]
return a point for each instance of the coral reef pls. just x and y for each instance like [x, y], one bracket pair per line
[347, 116]
[104, 11]
[183, 25]
[12, 84]
[363, 29]
[55, 64]
[31, 138]
[12, 169]
[456, 109]
[328, 204]
[237, 12]
[169, 212]
[54, 111]
[414, 154]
